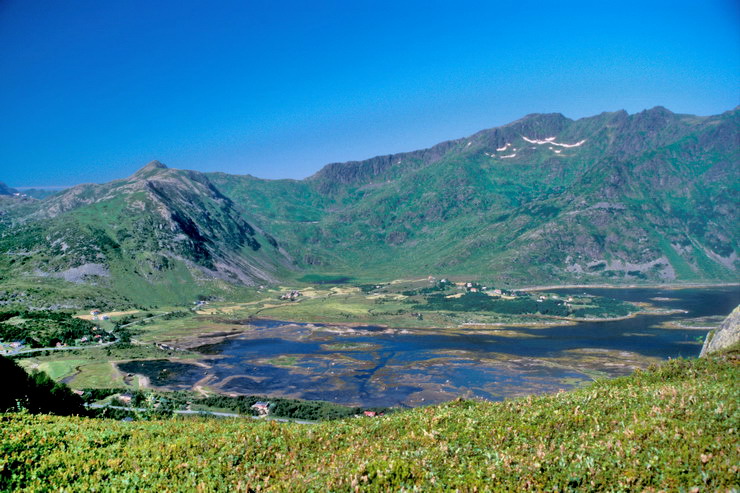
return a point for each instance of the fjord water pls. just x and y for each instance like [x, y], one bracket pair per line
[371, 366]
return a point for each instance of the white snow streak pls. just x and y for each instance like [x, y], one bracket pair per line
[551, 141]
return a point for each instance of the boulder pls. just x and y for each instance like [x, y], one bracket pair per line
[727, 334]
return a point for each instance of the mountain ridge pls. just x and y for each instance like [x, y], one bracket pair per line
[647, 197]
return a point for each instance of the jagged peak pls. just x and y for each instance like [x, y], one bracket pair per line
[660, 109]
[555, 115]
[538, 117]
[656, 111]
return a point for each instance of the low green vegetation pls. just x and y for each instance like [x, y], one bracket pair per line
[673, 427]
[417, 304]
[526, 304]
[285, 408]
[47, 328]
[601, 307]
[474, 302]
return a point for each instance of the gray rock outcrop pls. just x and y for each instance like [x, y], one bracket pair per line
[727, 334]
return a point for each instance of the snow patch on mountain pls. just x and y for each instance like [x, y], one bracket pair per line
[551, 141]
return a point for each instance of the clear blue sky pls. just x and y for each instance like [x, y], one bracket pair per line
[92, 90]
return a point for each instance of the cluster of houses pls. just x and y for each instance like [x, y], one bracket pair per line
[167, 347]
[474, 287]
[10, 346]
[96, 338]
[84, 339]
[291, 295]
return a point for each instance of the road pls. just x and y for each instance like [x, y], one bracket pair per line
[203, 413]
[143, 319]
[63, 348]
[178, 411]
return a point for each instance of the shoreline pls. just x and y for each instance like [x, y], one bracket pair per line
[628, 286]
[190, 343]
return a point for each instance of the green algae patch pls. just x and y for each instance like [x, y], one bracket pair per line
[351, 346]
[284, 361]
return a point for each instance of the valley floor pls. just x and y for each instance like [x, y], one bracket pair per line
[328, 315]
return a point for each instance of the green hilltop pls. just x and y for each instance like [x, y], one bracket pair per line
[614, 198]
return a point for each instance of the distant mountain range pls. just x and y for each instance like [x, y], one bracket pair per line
[6, 190]
[649, 197]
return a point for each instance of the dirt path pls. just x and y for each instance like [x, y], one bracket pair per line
[110, 314]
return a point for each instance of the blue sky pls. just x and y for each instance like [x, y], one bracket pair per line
[92, 90]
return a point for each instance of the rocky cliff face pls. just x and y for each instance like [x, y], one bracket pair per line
[726, 335]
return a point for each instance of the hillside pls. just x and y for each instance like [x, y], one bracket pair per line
[616, 198]
[152, 236]
[669, 428]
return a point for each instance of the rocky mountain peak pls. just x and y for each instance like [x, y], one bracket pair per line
[151, 168]
[154, 165]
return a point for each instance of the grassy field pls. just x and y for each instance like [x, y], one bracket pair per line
[88, 368]
[390, 305]
[673, 427]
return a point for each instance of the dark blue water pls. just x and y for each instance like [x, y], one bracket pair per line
[421, 368]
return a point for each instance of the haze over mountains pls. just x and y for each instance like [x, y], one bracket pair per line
[649, 197]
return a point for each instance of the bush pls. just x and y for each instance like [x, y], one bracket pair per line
[36, 393]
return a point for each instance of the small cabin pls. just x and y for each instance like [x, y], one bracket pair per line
[262, 408]
[125, 398]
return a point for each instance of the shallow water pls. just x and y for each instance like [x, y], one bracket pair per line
[408, 368]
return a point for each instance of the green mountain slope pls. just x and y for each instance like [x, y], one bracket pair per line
[649, 197]
[161, 235]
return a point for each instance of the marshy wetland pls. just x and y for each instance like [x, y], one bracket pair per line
[365, 364]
